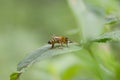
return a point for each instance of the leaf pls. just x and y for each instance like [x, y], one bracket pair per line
[15, 76]
[45, 52]
[86, 19]
[111, 19]
[113, 35]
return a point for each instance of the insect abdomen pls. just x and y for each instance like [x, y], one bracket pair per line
[53, 41]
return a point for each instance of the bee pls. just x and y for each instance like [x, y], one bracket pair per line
[58, 39]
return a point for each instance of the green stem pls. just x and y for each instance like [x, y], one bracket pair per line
[96, 62]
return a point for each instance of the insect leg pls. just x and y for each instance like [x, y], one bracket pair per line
[61, 44]
[67, 44]
[52, 45]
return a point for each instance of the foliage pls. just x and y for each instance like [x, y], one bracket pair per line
[93, 58]
[42, 53]
[45, 52]
[15, 76]
[113, 35]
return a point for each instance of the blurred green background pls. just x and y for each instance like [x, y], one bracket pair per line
[28, 24]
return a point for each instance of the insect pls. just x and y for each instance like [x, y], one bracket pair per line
[58, 39]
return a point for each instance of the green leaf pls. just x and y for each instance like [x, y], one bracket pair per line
[111, 19]
[45, 52]
[113, 35]
[90, 25]
[15, 76]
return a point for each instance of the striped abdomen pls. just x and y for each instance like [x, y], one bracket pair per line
[52, 41]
